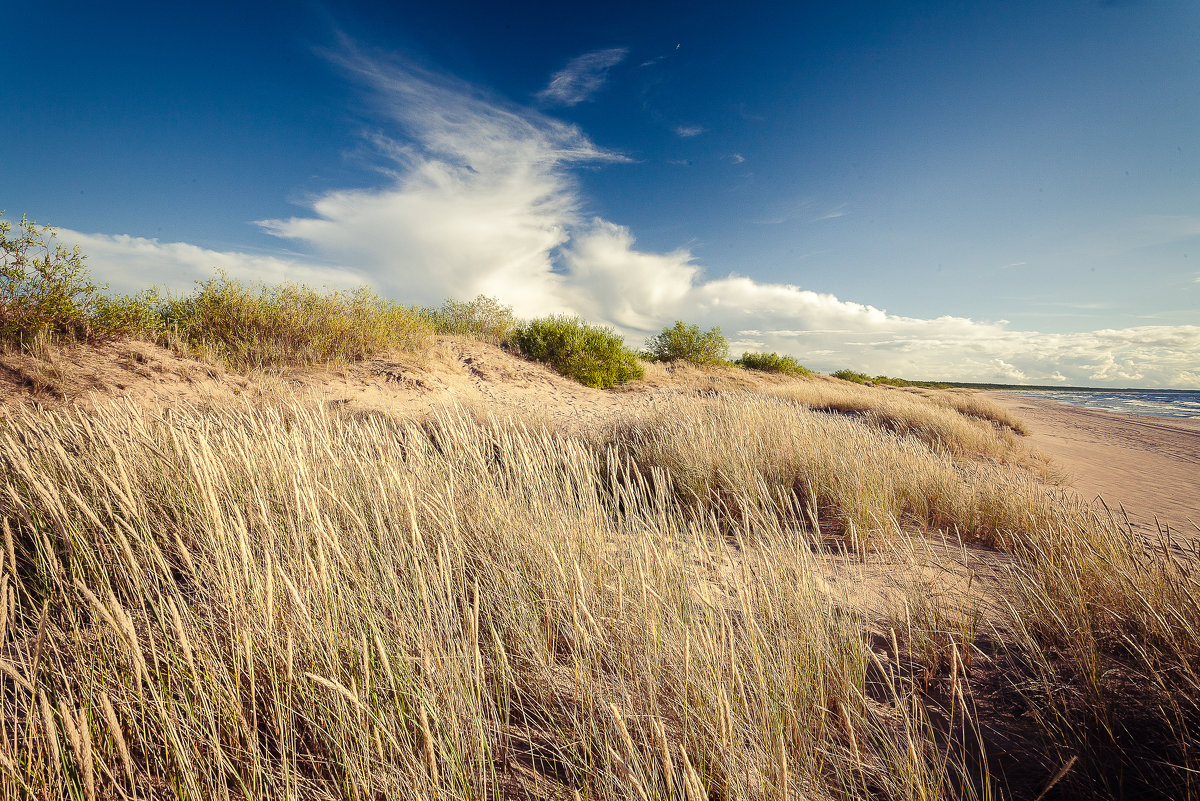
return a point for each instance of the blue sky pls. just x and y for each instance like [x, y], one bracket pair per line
[972, 191]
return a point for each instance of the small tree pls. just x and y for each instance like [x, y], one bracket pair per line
[689, 343]
[43, 285]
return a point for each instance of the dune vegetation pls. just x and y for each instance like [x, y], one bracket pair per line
[795, 588]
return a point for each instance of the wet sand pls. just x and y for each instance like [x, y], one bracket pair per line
[1150, 466]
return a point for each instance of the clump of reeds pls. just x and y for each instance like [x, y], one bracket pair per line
[484, 318]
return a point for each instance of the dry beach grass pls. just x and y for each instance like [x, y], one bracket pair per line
[269, 594]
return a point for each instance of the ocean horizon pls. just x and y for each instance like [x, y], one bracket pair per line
[1183, 403]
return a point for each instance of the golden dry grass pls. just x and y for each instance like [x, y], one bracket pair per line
[282, 601]
[752, 448]
[980, 428]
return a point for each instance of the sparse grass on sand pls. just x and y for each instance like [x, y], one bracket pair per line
[285, 602]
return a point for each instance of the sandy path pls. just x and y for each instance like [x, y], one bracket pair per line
[1149, 465]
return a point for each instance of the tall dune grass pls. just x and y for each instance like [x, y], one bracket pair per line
[284, 602]
[275, 603]
[979, 427]
[834, 468]
[1117, 628]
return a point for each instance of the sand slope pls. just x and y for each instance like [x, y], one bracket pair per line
[453, 372]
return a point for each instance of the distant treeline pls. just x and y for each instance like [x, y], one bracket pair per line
[972, 385]
[863, 378]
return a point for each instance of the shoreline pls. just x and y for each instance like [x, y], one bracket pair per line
[1148, 465]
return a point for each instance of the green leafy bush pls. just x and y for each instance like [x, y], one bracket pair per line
[689, 343]
[137, 315]
[773, 363]
[266, 326]
[850, 375]
[483, 318]
[591, 354]
[46, 289]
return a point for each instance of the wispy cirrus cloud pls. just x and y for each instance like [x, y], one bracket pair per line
[582, 77]
[689, 131]
[479, 195]
[831, 214]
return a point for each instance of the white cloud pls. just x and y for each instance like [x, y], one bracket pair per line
[131, 263]
[481, 198]
[582, 77]
[737, 158]
[688, 131]
[832, 214]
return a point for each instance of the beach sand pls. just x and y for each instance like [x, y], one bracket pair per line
[1150, 466]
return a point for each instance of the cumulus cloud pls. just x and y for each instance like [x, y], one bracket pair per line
[582, 77]
[688, 131]
[479, 196]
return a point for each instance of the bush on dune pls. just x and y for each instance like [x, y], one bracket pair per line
[688, 343]
[484, 318]
[773, 363]
[591, 354]
[851, 376]
[46, 290]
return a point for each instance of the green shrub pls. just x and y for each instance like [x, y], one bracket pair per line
[773, 363]
[483, 318]
[850, 375]
[591, 354]
[266, 326]
[137, 315]
[689, 343]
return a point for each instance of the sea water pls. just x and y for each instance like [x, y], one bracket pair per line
[1160, 402]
